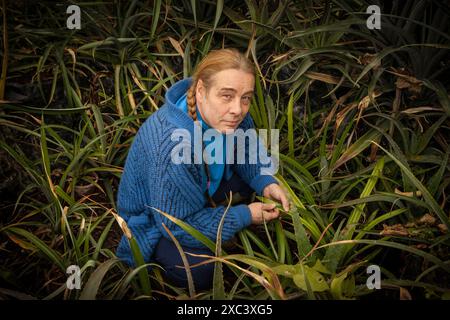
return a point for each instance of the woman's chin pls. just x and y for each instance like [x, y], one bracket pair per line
[227, 129]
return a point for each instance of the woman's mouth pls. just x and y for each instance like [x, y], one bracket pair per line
[232, 123]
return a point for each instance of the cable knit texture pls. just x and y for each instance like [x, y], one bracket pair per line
[151, 179]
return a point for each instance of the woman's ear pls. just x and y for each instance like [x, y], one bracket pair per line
[200, 92]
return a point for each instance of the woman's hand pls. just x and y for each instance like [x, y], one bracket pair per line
[273, 191]
[263, 212]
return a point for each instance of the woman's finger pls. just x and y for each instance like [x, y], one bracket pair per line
[284, 202]
[268, 206]
[273, 214]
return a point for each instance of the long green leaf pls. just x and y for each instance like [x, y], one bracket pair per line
[42, 246]
[92, 286]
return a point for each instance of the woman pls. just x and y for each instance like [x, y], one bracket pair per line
[217, 96]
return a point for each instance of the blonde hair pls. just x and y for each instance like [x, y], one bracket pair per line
[215, 61]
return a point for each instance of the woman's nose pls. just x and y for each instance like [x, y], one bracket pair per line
[236, 107]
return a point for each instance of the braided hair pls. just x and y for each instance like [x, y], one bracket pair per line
[192, 106]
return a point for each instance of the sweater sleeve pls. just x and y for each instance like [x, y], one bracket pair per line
[256, 175]
[183, 198]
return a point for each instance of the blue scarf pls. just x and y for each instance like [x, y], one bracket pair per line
[216, 170]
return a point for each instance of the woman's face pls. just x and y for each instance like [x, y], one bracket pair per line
[227, 100]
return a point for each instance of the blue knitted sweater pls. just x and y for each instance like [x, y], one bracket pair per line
[151, 179]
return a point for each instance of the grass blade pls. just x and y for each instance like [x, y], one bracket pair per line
[190, 280]
[92, 286]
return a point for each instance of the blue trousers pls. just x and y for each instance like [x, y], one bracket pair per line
[168, 256]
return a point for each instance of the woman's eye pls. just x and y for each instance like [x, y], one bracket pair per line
[246, 100]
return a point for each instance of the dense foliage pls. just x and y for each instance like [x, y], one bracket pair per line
[364, 143]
